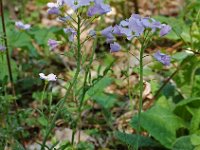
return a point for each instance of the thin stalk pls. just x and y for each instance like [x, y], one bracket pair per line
[43, 93]
[144, 45]
[61, 105]
[141, 93]
[129, 86]
[7, 51]
[85, 87]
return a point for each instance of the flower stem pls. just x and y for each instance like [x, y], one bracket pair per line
[62, 102]
[43, 93]
[141, 93]
[144, 44]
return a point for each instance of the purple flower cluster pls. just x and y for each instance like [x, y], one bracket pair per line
[98, 7]
[134, 27]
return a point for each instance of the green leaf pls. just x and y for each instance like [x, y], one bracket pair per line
[105, 100]
[183, 143]
[4, 68]
[195, 139]
[195, 121]
[161, 123]
[181, 108]
[194, 100]
[43, 121]
[181, 55]
[179, 29]
[131, 139]
[99, 86]
[17, 146]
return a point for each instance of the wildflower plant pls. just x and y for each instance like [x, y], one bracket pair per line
[78, 15]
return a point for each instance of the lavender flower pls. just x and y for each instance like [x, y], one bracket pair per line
[165, 29]
[22, 26]
[54, 10]
[99, 8]
[2, 48]
[71, 33]
[124, 23]
[53, 44]
[108, 33]
[163, 58]
[115, 47]
[75, 4]
[50, 77]
[117, 30]
[135, 24]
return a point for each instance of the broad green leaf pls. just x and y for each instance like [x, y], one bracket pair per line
[191, 101]
[195, 139]
[195, 121]
[181, 55]
[105, 100]
[99, 86]
[131, 139]
[183, 143]
[161, 123]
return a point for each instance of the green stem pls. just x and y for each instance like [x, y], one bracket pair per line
[43, 93]
[141, 93]
[61, 105]
[85, 87]
[144, 45]
[7, 52]
[129, 86]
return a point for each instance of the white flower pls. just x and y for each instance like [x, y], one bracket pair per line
[50, 77]
[56, 5]
[51, 5]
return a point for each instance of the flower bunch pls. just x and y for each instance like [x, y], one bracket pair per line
[133, 27]
[96, 7]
